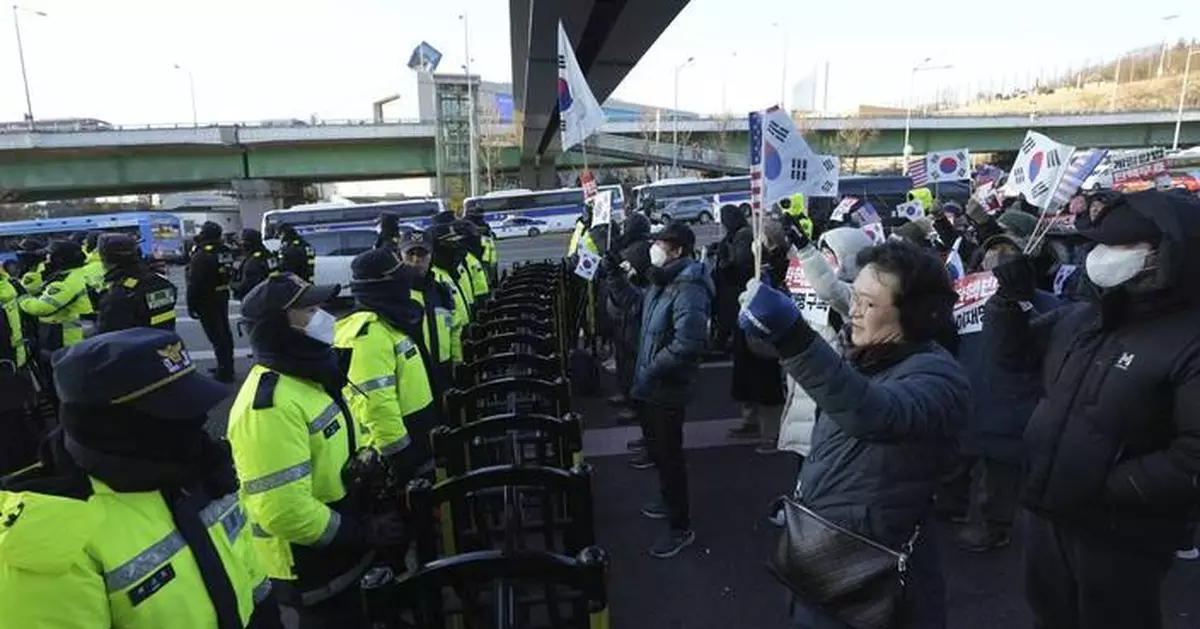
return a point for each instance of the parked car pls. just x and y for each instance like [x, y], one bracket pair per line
[689, 209]
[515, 226]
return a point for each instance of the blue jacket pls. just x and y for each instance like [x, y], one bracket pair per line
[882, 441]
[674, 332]
[1003, 399]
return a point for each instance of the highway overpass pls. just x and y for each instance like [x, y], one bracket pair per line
[609, 37]
[139, 160]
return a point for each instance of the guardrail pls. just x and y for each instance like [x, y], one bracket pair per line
[651, 152]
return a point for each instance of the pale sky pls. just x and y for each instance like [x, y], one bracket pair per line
[271, 59]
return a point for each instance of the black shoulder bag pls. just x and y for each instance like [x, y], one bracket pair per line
[857, 580]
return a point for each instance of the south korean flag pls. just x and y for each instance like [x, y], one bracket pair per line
[790, 165]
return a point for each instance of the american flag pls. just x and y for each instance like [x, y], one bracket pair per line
[1081, 167]
[917, 171]
[756, 174]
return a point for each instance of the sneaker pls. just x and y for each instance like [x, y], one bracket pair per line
[980, 538]
[671, 543]
[655, 510]
[1185, 554]
[637, 445]
[641, 461]
[766, 447]
[777, 518]
[618, 400]
[745, 431]
[610, 365]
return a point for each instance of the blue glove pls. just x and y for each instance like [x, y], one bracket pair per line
[766, 313]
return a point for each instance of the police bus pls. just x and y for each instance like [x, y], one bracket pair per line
[325, 217]
[338, 232]
[721, 191]
[558, 209]
[159, 235]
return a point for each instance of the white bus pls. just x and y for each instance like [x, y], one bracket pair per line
[557, 208]
[338, 232]
[720, 192]
[320, 217]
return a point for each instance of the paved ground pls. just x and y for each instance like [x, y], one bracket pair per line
[720, 582]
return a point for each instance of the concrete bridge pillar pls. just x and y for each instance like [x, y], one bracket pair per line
[256, 197]
[538, 175]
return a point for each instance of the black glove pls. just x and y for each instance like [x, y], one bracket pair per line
[384, 530]
[795, 233]
[1017, 279]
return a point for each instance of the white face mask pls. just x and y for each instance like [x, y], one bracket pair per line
[658, 255]
[1112, 266]
[320, 327]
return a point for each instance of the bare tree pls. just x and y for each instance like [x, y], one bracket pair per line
[804, 125]
[647, 129]
[852, 137]
[494, 137]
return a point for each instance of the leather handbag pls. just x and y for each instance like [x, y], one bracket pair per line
[855, 579]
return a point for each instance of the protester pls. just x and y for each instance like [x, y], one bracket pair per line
[830, 267]
[984, 492]
[626, 321]
[733, 267]
[1113, 448]
[757, 382]
[674, 325]
[889, 409]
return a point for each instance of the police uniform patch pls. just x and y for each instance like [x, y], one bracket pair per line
[332, 429]
[162, 298]
[411, 352]
[151, 584]
[174, 357]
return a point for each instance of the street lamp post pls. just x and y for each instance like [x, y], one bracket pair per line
[675, 117]
[474, 178]
[908, 105]
[16, 11]
[191, 92]
[1187, 68]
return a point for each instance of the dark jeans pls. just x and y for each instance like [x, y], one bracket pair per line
[214, 319]
[924, 602]
[663, 428]
[997, 484]
[954, 495]
[1077, 579]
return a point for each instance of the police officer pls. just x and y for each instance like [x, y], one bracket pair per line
[292, 434]
[18, 447]
[389, 231]
[449, 230]
[296, 255]
[137, 297]
[491, 255]
[131, 519]
[445, 317]
[208, 282]
[93, 267]
[446, 258]
[31, 256]
[472, 264]
[582, 225]
[389, 380]
[62, 302]
[257, 263]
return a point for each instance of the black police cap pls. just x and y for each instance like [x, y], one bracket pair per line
[147, 369]
[413, 240]
[444, 218]
[117, 245]
[376, 264]
[282, 292]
